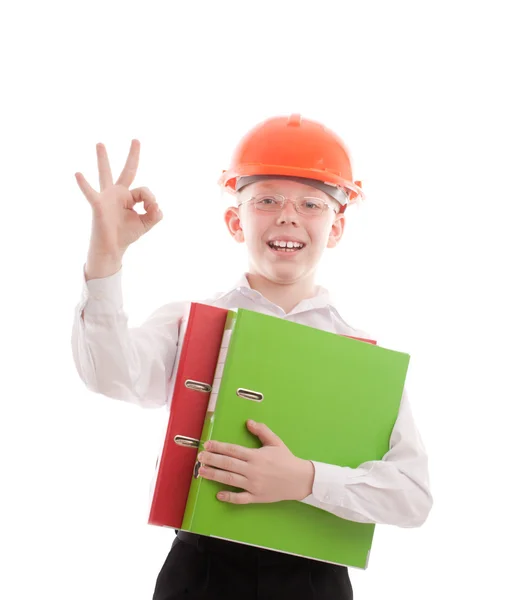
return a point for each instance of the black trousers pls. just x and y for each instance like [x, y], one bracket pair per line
[199, 567]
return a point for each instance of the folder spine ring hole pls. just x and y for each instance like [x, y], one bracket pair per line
[197, 467]
[188, 442]
[250, 395]
[199, 386]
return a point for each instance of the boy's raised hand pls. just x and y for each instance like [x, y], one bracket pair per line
[116, 224]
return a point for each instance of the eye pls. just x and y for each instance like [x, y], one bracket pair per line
[266, 200]
[312, 204]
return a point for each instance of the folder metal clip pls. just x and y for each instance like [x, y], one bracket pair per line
[250, 395]
[199, 386]
[183, 440]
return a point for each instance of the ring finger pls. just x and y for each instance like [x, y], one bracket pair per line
[224, 477]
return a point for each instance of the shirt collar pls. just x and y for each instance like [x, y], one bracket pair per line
[321, 299]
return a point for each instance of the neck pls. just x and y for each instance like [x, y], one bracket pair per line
[285, 295]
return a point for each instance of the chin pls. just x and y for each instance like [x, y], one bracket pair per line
[285, 273]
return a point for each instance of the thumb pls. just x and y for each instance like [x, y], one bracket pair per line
[151, 217]
[266, 436]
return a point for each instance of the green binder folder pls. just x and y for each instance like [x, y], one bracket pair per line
[329, 398]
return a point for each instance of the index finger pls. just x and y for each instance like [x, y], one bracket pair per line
[132, 162]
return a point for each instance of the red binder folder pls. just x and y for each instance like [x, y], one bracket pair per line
[194, 375]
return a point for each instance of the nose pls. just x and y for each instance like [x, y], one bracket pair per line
[288, 213]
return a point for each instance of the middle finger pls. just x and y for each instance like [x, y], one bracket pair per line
[104, 171]
[240, 452]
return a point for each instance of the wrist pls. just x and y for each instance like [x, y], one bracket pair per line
[99, 266]
[307, 478]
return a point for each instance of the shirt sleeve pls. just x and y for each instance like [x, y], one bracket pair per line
[391, 491]
[133, 364]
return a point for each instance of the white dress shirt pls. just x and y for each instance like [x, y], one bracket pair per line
[135, 364]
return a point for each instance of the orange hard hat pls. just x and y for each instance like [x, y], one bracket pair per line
[293, 147]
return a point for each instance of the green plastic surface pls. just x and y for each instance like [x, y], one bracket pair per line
[330, 399]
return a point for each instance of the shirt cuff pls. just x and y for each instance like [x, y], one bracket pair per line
[102, 295]
[329, 486]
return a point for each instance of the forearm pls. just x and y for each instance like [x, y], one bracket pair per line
[378, 492]
[130, 364]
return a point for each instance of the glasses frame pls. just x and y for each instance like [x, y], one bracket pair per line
[283, 199]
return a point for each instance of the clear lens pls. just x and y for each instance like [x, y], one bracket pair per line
[310, 206]
[268, 202]
[307, 205]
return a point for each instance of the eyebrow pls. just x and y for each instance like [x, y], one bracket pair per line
[265, 185]
[268, 186]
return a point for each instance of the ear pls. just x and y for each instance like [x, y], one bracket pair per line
[337, 229]
[233, 222]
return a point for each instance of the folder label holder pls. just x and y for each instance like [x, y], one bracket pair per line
[198, 386]
[188, 442]
[250, 395]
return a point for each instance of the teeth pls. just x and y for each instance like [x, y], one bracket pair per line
[286, 245]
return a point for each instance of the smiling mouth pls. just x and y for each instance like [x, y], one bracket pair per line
[289, 247]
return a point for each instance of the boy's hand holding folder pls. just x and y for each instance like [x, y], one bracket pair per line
[267, 474]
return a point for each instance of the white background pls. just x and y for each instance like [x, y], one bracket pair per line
[420, 92]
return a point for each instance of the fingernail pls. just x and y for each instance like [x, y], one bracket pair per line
[201, 456]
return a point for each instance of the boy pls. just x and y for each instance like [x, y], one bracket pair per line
[292, 181]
